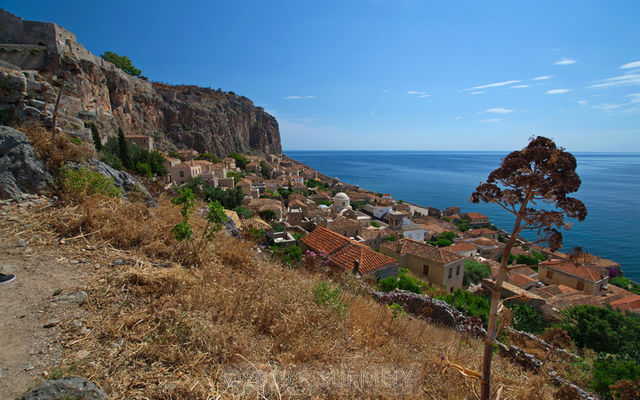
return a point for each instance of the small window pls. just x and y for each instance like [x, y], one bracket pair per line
[425, 269]
[580, 285]
[181, 174]
[458, 270]
[450, 272]
[549, 274]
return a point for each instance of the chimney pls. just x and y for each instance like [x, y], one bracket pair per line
[356, 267]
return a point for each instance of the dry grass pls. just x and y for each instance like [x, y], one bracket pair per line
[242, 326]
[55, 150]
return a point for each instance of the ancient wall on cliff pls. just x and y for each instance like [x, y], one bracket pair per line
[36, 57]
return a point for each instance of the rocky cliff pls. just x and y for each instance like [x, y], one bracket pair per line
[36, 58]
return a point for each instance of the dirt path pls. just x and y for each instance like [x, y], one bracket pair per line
[45, 293]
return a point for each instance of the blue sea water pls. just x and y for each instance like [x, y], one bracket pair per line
[610, 190]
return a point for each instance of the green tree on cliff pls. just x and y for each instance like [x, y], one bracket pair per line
[96, 137]
[123, 150]
[122, 62]
[539, 173]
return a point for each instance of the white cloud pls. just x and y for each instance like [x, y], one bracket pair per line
[419, 93]
[607, 106]
[298, 97]
[583, 102]
[635, 64]
[635, 98]
[499, 110]
[478, 92]
[557, 91]
[565, 61]
[519, 86]
[386, 91]
[622, 80]
[542, 78]
[493, 85]
[490, 120]
[458, 117]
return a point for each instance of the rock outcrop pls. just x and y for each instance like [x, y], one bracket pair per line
[66, 388]
[129, 184]
[21, 172]
[37, 57]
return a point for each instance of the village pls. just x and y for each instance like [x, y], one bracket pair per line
[294, 210]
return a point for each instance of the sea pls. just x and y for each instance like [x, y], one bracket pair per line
[610, 190]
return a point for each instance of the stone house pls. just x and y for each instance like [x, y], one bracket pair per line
[414, 231]
[476, 219]
[578, 277]
[144, 141]
[296, 179]
[230, 163]
[253, 167]
[349, 255]
[272, 184]
[342, 225]
[449, 211]
[245, 186]
[372, 237]
[183, 171]
[481, 232]
[439, 267]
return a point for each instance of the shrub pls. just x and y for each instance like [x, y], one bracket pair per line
[527, 318]
[122, 62]
[375, 224]
[95, 135]
[469, 303]
[603, 329]
[241, 161]
[144, 169]
[324, 295]
[77, 183]
[208, 157]
[243, 212]
[607, 370]
[625, 283]
[267, 215]
[475, 272]
[388, 284]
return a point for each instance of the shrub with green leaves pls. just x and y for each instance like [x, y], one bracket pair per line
[475, 272]
[469, 303]
[608, 369]
[332, 298]
[122, 62]
[85, 182]
[527, 318]
[183, 231]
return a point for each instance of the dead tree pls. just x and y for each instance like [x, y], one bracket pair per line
[541, 173]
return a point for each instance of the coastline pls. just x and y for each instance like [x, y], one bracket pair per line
[357, 187]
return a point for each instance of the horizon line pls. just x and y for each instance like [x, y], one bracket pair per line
[461, 151]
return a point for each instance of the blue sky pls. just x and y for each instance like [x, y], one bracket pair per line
[392, 75]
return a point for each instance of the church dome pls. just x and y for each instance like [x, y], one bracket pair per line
[341, 196]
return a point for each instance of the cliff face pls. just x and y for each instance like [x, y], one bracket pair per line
[36, 58]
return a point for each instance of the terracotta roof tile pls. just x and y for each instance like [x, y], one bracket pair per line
[343, 251]
[475, 215]
[454, 248]
[522, 281]
[630, 303]
[422, 250]
[481, 231]
[573, 269]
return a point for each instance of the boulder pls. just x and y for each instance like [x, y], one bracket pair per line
[20, 170]
[66, 388]
[130, 185]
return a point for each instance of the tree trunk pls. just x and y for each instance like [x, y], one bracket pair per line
[492, 326]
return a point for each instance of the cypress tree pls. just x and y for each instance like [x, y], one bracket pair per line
[96, 137]
[123, 149]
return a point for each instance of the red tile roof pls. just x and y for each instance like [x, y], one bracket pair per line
[481, 231]
[630, 303]
[522, 281]
[343, 251]
[475, 215]
[422, 250]
[570, 268]
[454, 248]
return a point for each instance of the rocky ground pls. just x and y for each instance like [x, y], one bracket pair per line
[41, 312]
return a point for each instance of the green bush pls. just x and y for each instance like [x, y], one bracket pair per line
[243, 212]
[144, 169]
[527, 318]
[324, 295]
[625, 283]
[475, 272]
[121, 149]
[267, 215]
[388, 284]
[469, 303]
[607, 370]
[241, 161]
[83, 181]
[208, 157]
[603, 329]
[374, 224]
[122, 62]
